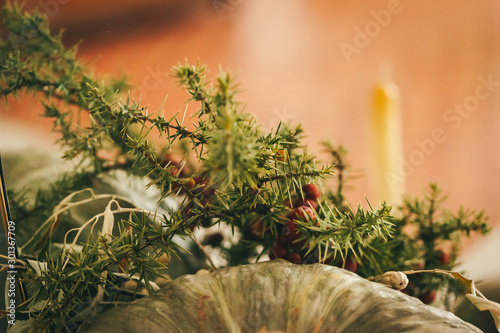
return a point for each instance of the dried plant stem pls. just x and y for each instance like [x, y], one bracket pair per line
[202, 248]
[93, 221]
[15, 259]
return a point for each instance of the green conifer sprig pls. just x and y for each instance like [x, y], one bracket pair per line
[244, 177]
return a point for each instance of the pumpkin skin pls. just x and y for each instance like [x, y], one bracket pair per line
[277, 296]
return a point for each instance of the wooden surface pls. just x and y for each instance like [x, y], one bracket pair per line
[288, 56]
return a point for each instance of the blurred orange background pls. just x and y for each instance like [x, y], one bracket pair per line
[308, 62]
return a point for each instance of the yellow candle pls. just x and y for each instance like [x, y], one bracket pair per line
[387, 144]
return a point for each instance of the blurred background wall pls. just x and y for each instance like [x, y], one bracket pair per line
[315, 63]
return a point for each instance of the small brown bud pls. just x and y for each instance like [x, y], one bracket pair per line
[281, 155]
[189, 183]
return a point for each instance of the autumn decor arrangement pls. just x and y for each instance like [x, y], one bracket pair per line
[222, 226]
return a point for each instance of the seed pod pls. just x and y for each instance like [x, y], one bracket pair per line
[395, 280]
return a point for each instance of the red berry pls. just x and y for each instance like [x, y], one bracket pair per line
[351, 265]
[420, 265]
[199, 178]
[328, 260]
[291, 234]
[294, 258]
[170, 160]
[311, 191]
[281, 239]
[444, 257]
[428, 297]
[301, 212]
[291, 226]
[306, 202]
[277, 251]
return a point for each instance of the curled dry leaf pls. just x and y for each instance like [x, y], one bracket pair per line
[473, 294]
[484, 304]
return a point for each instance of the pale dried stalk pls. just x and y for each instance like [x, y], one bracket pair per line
[95, 219]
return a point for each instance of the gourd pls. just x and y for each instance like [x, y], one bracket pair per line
[277, 296]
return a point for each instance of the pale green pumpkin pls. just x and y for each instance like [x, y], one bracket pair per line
[277, 296]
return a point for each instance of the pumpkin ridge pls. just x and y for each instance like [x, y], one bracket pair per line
[263, 297]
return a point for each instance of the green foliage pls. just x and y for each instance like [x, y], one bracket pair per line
[245, 178]
[426, 236]
[59, 298]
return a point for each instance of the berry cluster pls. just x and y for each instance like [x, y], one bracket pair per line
[196, 184]
[289, 244]
[287, 241]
